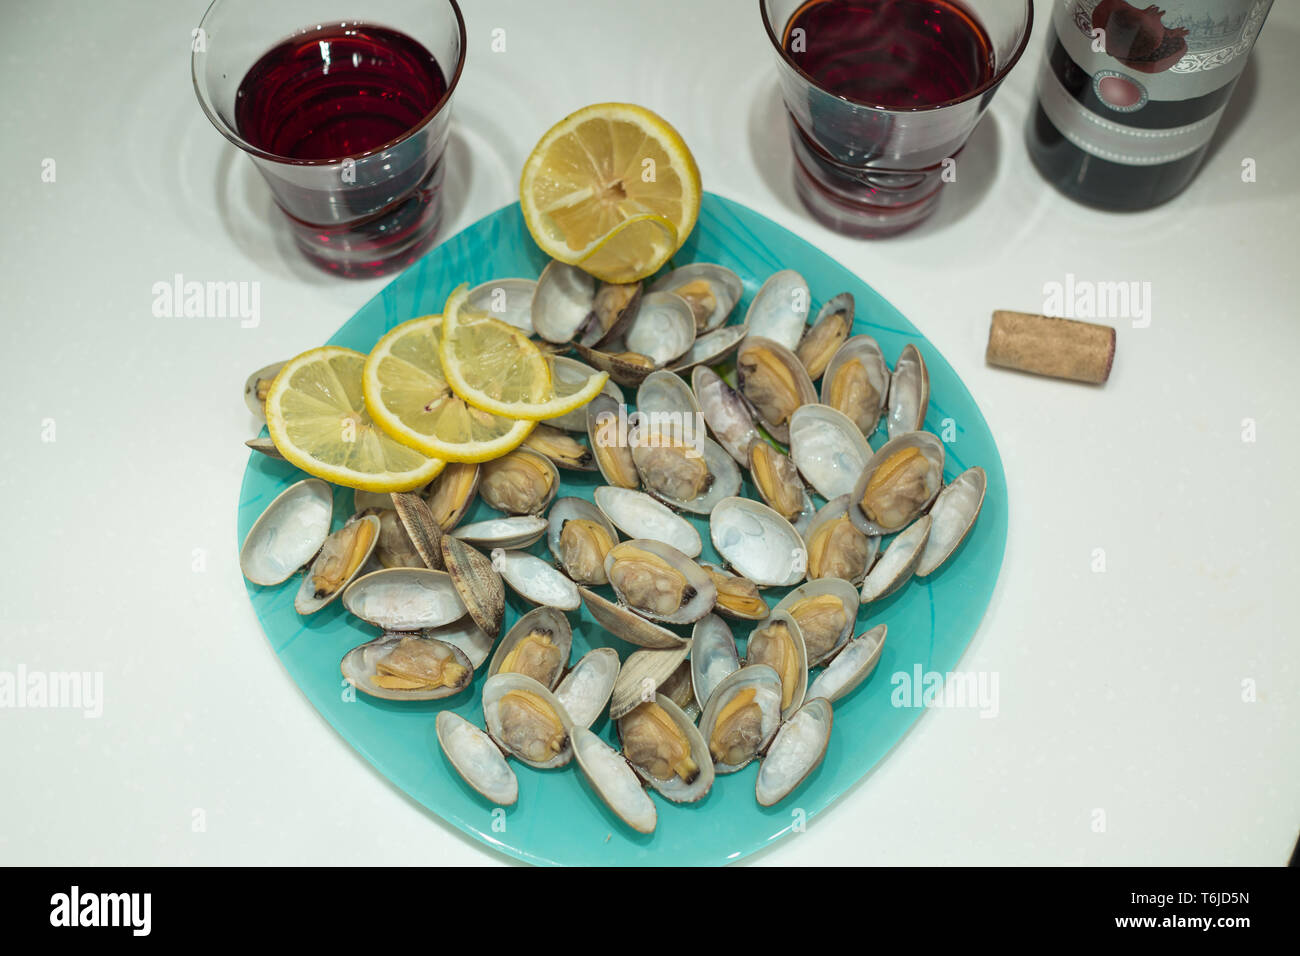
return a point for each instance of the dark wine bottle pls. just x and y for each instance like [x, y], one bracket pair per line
[1129, 97]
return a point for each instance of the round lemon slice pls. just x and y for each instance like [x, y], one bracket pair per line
[495, 367]
[316, 414]
[599, 168]
[407, 394]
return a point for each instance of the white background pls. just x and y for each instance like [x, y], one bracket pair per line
[1119, 691]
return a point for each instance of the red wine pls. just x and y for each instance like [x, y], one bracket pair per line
[896, 54]
[336, 92]
[1129, 97]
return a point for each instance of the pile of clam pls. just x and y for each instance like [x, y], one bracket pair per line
[687, 705]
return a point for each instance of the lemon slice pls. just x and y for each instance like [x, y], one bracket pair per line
[316, 414]
[604, 166]
[495, 367]
[408, 396]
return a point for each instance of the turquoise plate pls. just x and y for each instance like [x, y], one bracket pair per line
[557, 819]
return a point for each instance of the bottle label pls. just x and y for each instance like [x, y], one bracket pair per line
[1136, 56]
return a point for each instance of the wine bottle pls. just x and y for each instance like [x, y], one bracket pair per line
[1129, 97]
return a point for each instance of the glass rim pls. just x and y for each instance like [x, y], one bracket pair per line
[231, 134]
[980, 90]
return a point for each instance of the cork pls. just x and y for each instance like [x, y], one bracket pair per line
[1061, 348]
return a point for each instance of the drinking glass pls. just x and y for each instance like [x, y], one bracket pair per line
[355, 215]
[870, 170]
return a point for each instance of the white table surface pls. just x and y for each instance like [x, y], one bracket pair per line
[1120, 691]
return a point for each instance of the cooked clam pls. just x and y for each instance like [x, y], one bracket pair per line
[666, 749]
[898, 483]
[538, 645]
[774, 381]
[658, 581]
[562, 449]
[519, 483]
[288, 534]
[406, 667]
[829, 331]
[527, 720]
[737, 597]
[579, 537]
[476, 758]
[711, 291]
[607, 432]
[778, 483]
[825, 610]
[257, 386]
[856, 382]
[612, 306]
[691, 474]
[741, 715]
[450, 495]
[341, 559]
[836, 547]
[795, 752]
[779, 644]
[726, 413]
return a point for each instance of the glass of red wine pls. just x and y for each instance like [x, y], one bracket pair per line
[347, 120]
[882, 95]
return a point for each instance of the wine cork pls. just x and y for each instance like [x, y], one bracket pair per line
[1061, 348]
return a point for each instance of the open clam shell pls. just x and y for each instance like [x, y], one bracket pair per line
[713, 656]
[638, 515]
[676, 788]
[828, 449]
[952, 516]
[659, 582]
[510, 300]
[774, 382]
[527, 721]
[737, 731]
[521, 482]
[779, 310]
[826, 610]
[711, 291]
[612, 308]
[795, 751]
[477, 582]
[579, 554]
[362, 666]
[626, 368]
[851, 666]
[538, 645]
[837, 548]
[265, 447]
[562, 302]
[903, 478]
[726, 413]
[518, 531]
[569, 373]
[757, 543]
[587, 686]
[614, 780]
[421, 528]
[341, 560]
[535, 580]
[909, 393]
[404, 599]
[778, 642]
[856, 382]
[897, 562]
[288, 533]
[665, 397]
[642, 674]
[465, 635]
[662, 330]
[710, 348]
[627, 625]
[607, 432]
[479, 761]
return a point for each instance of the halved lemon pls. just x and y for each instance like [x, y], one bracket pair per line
[497, 368]
[599, 168]
[316, 414]
[408, 395]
